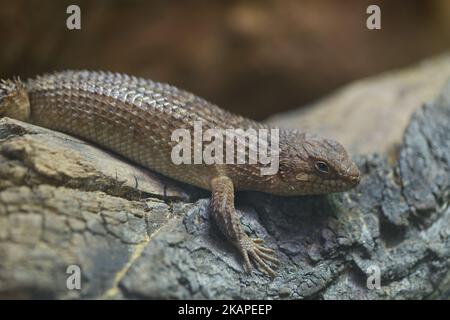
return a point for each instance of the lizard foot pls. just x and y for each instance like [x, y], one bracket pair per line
[261, 255]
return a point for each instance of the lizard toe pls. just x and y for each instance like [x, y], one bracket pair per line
[261, 256]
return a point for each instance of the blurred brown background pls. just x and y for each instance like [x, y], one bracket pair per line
[253, 57]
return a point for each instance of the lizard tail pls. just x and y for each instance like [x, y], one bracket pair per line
[14, 102]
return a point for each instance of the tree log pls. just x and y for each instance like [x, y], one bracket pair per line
[136, 234]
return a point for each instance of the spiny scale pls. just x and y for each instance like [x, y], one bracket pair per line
[129, 115]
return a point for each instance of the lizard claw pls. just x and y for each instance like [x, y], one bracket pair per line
[252, 248]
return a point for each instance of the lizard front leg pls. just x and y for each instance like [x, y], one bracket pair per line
[224, 213]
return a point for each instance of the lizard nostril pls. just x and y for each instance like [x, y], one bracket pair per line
[356, 178]
[352, 174]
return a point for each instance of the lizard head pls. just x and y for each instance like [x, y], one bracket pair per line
[14, 100]
[313, 165]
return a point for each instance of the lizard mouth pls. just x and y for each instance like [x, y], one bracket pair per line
[330, 186]
[345, 183]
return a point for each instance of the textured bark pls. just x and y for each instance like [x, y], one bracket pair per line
[136, 234]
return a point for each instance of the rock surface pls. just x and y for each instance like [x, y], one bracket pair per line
[135, 234]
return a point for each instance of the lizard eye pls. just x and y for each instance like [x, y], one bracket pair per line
[321, 167]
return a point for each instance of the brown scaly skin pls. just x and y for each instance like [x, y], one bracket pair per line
[135, 118]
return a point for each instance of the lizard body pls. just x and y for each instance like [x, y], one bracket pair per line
[135, 117]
